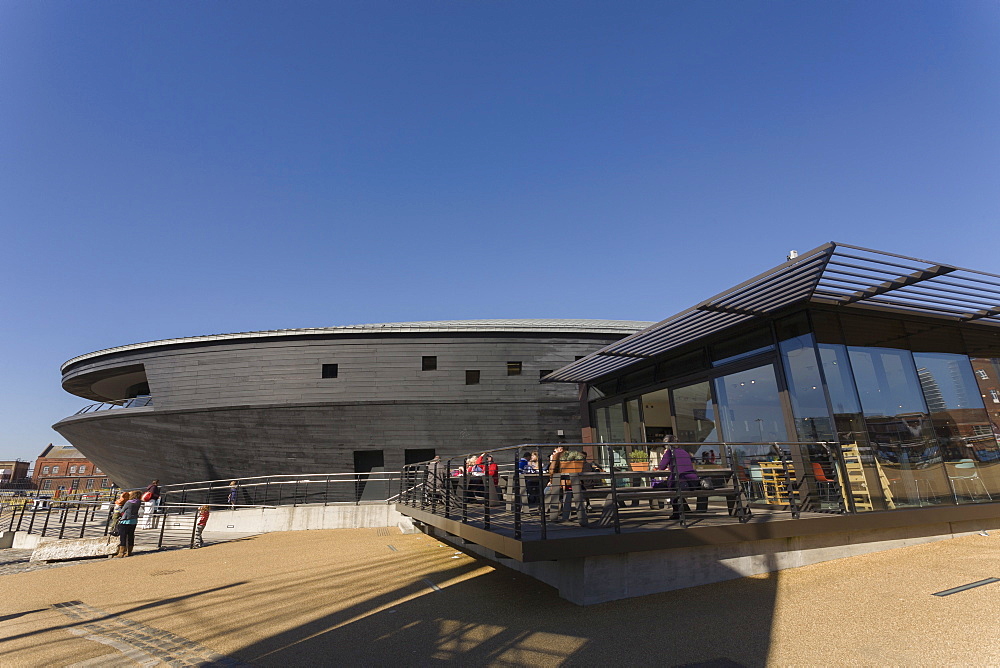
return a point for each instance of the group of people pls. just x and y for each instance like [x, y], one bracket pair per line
[126, 513]
[131, 505]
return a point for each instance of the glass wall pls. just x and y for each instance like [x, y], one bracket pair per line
[961, 425]
[805, 389]
[750, 406]
[899, 426]
[694, 414]
[914, 405]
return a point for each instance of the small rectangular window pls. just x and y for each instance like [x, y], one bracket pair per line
[72, 469]
[429, 363]
[90, 483]
[472, 377]
[82, 470]
[329, 370]
[45, 469]
[513, 368]
[982, 374]
[995, 396]
[104, 482]
[46, 484]
[543, 373]
[55, 469]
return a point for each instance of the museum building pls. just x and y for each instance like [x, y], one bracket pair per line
[327, 400]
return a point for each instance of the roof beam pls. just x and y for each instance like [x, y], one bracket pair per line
[985, 313]
[902, 281]
[734, 310]
[608, 353]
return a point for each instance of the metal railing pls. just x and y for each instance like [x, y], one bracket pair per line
[135, 402]
[287, 490]
[785, 479]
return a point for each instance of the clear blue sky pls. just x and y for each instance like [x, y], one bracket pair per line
[181, 168]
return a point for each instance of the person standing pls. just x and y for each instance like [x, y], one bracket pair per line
[151, 501]
[199, 526]
[127, 523]
[116, 513]
[233, 492]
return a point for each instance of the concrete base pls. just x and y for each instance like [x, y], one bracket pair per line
[602, 578]
[304, 518]
[80, 548]
[21, 540]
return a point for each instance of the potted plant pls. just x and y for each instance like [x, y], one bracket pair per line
[639, 460]
[571, 462]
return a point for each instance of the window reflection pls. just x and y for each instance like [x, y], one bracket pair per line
[750, 406]
[695, 417]
[899, 427]
[805, 389]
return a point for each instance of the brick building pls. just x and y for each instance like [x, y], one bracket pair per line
[63, 468]
[13, 473]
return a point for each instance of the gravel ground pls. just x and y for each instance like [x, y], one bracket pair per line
[367, 597]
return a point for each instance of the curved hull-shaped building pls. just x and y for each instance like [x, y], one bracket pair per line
[340, 399]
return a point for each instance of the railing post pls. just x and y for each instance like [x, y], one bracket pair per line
[45, 525]
[541, 501]
[447, 495]
[614, 495]
[31, 524]
[326, 493]
[83, 526]
[465, 494]
[516, 474]
[194, 529]
[163, 526]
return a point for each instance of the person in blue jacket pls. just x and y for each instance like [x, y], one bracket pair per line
[127, 522]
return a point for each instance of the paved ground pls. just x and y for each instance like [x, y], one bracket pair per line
[376, 597]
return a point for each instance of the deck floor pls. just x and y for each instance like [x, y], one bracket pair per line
[631, 519]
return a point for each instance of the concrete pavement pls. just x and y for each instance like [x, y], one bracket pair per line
[377, 597]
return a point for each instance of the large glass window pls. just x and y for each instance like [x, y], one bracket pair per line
[899, 426]
[694, 414]
[750, 406]
[635, 433]
[805, 389]
[869, 485]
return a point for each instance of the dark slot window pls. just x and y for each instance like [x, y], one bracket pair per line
[544, 372]
[472, 377]
[417, 455]
[513, 368]
[329, 370]
[578, 358]
[429, 363]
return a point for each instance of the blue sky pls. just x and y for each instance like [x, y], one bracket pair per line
[178, 168]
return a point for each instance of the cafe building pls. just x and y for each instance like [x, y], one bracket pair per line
[894, 359]
[868, 379]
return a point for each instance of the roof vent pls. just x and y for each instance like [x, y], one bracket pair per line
[792, 255]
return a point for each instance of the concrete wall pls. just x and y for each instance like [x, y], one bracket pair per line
[304, 518]
[590, 580]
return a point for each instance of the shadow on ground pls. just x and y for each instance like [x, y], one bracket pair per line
[500, 617]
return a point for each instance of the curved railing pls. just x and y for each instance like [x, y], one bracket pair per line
[135, 402]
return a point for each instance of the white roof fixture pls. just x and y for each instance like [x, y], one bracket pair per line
[834, 273]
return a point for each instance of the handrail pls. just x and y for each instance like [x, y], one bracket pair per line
[804, 477]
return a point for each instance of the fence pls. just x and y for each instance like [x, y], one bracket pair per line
[505, 493]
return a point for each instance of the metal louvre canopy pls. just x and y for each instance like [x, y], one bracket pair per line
[834, 273]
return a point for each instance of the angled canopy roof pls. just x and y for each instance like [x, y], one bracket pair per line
[834, 273]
